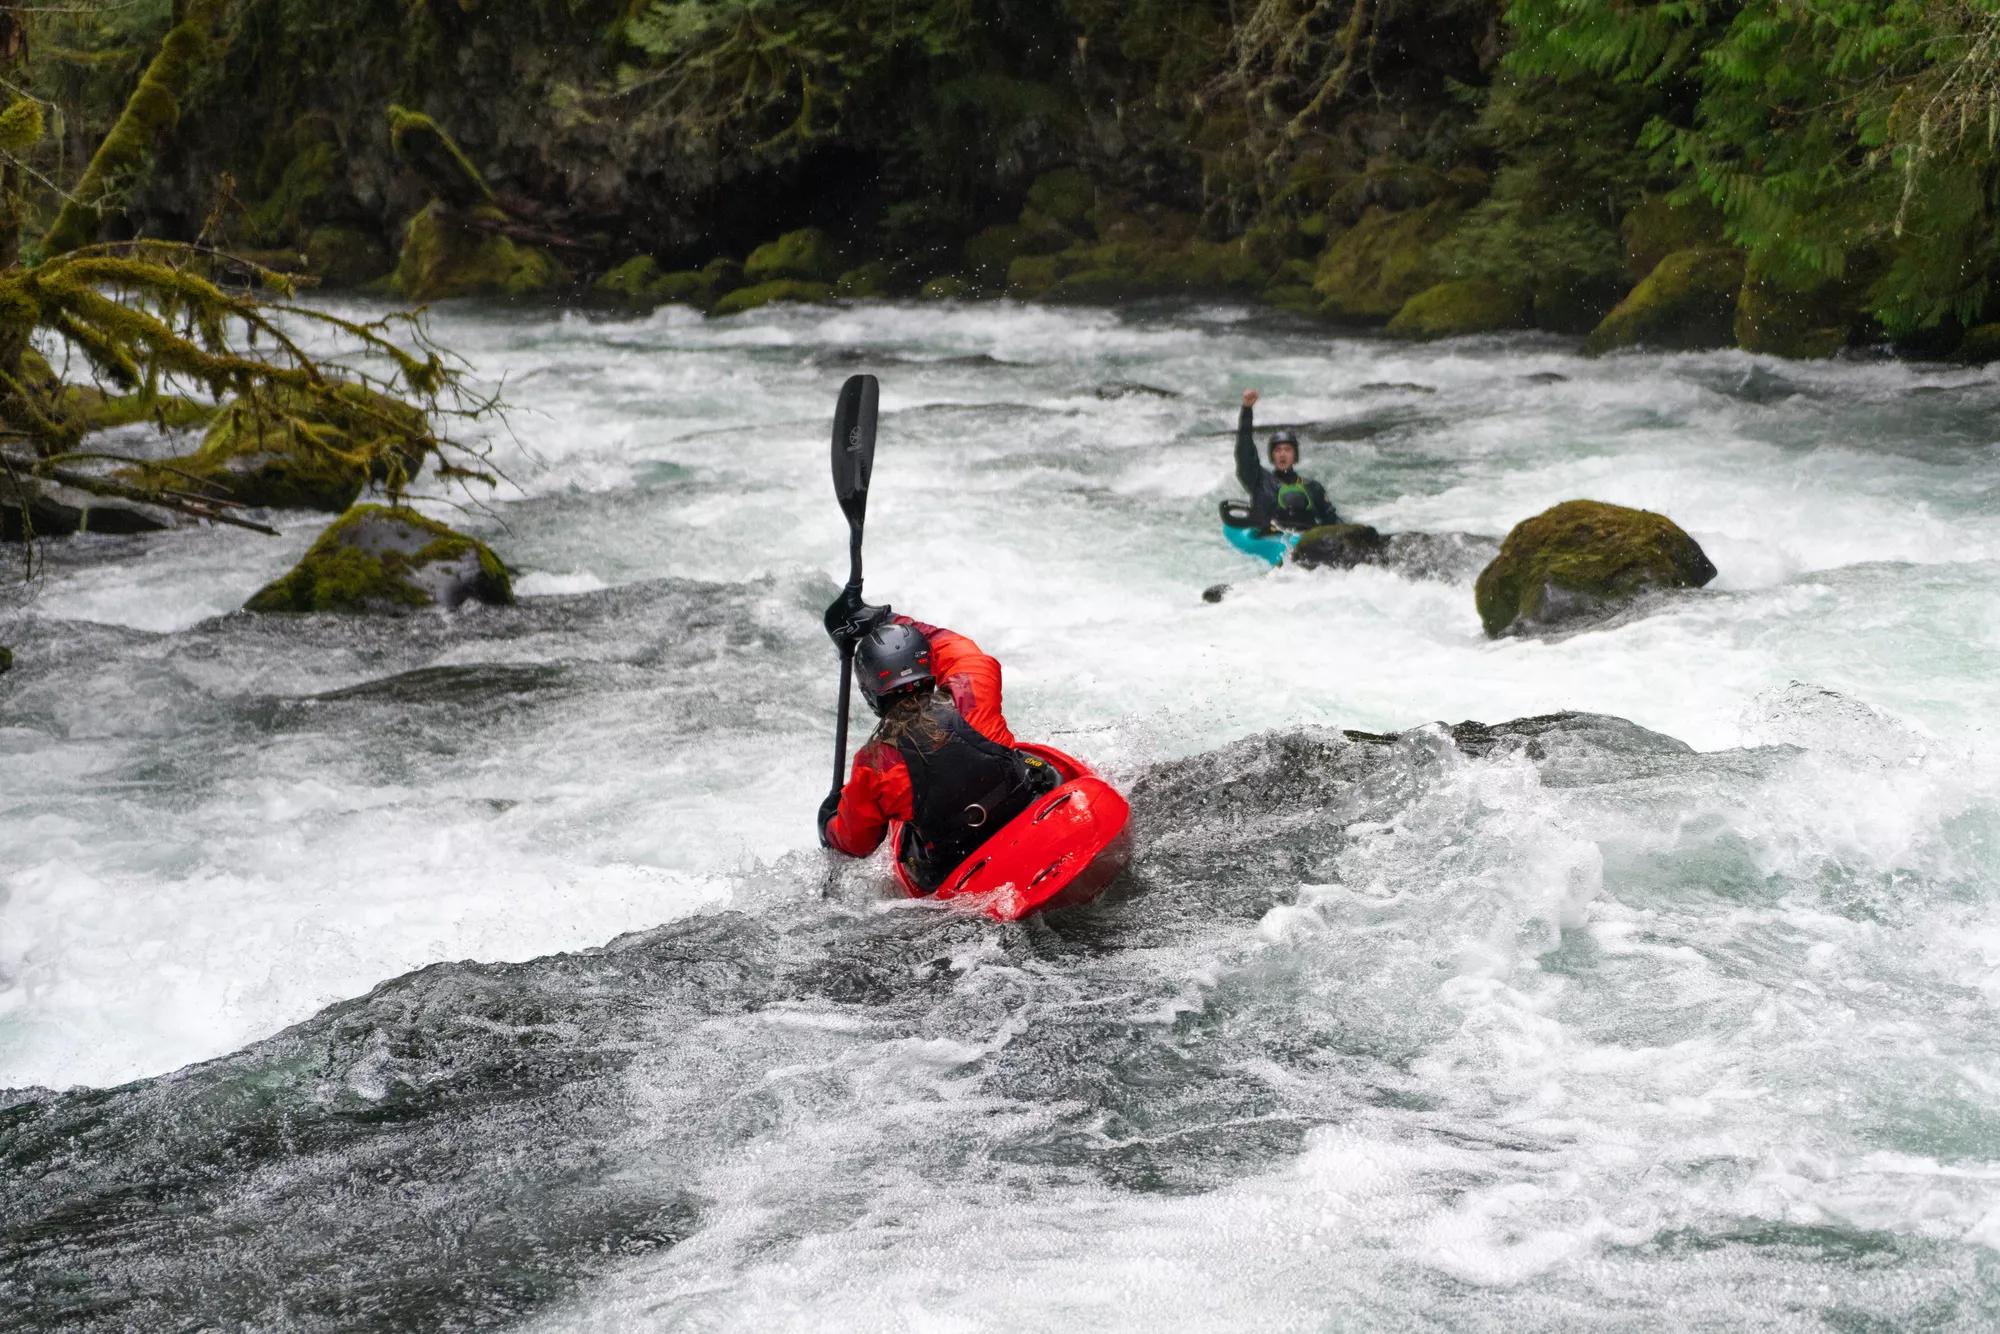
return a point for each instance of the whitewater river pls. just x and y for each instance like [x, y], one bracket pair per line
[482, 969]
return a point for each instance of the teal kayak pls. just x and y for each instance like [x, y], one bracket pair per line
[1269, 545]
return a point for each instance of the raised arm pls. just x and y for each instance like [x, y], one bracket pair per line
[1248, 470]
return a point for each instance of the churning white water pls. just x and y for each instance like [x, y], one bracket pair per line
[1592, 1029]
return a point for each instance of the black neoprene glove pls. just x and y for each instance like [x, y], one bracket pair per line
[826, 812]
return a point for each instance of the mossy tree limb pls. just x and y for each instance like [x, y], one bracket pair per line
[150, 114]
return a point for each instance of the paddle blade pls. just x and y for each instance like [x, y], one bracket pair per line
[854, 445]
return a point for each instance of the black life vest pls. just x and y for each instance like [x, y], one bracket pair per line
[962, 790]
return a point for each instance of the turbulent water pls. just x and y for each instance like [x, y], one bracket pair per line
[1679, 1003]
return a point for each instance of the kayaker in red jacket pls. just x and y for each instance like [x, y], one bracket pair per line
[942, 759]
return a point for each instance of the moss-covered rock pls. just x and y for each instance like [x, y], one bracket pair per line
[763, 294]
[378, 559]
[285, 450]
[807, 255]
[1034, 275]
[990, 253]
[1372, 268]
[1064, 197]
[1339, 546]
[947, 287]
[1462, 306]
[1580, 561]
[1687, 302]
[631, 282]
[1783, 320]
[1657, 227]
[1298, 298]
[1980, 345]
[873, 279]
[451, 254]
[346, 257]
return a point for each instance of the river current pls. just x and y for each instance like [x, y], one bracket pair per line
[481, 969]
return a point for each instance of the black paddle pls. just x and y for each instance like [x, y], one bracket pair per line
[853, 460]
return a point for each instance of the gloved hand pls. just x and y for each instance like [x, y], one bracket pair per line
[826, 810]
[849, 619]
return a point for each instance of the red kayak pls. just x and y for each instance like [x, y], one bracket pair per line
[1058, 852]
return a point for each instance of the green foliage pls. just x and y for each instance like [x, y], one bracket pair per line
[1826, 131]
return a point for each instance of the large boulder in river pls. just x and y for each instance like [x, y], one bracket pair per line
[388, 560]
[286, 449]
[1582, 560]
[451, 252]
[1687, 302]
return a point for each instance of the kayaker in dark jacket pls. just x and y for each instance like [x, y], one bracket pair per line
[1279, 497]
[941, 760]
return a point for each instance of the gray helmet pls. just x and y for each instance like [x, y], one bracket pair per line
[893, 658]
[1283, 436]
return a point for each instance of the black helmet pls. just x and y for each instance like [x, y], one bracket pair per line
[1284, 436]
[892, 659]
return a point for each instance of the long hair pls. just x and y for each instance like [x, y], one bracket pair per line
[905, 716]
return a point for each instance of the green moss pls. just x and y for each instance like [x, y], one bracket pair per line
[1981, 344]
[98, 411]
[287, 450]
[807, 255]
[148, 115]
[993, 251]
[1688, 301]
[1581, 559]
[1783, 320]
[21, 125]
[1299, 298]
[630, 282]
[299, 196]
[1657, 227]
[1064, 196]
[376, 558]
[873, 279]
[346, 257]
[763, 294]
[446, 254]
[1464, 306]
[1034, 275]
[436, 156]
[946, 288]
[1372, 268]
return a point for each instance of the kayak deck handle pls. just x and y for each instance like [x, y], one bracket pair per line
[1049, 870]
[961, 881]
[1054, 806]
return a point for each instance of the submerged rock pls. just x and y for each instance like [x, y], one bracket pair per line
[6, 659]
[1688, 302]
[1340, 546]
[377, 559]
[1440, 557]
[287, 450]
[1582, 560]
